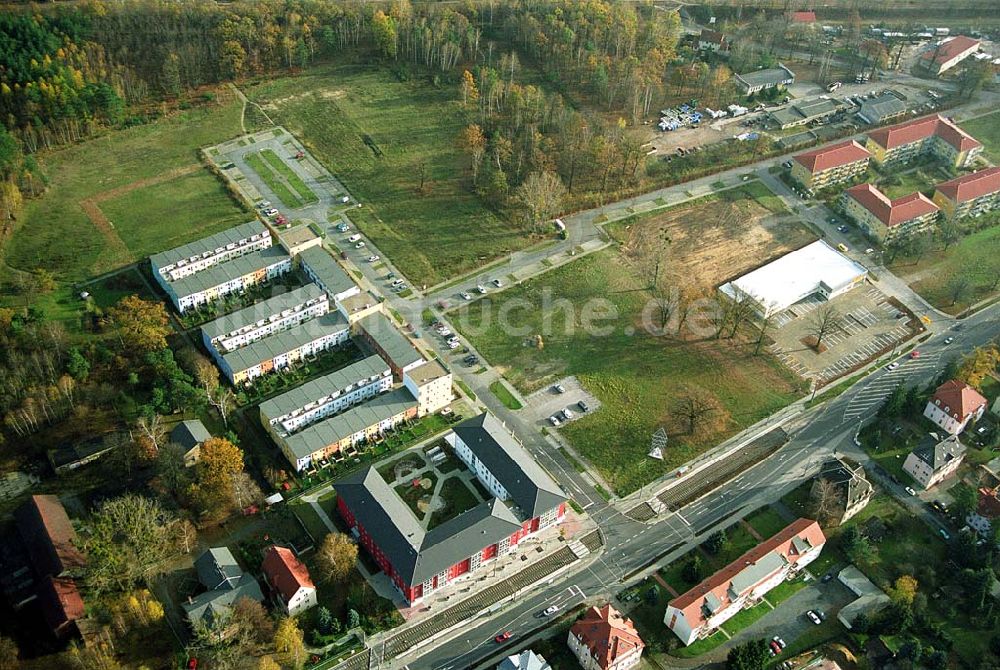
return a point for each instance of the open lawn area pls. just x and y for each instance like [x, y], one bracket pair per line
[55, 231]
[973, 262]
[171, 213]
[637, 376]
[918, 179]
[146, 190]
[455, 498]
[767, 522]
[376, 134]
[986, 129]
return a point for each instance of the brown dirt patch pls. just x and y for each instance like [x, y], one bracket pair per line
[709, 243]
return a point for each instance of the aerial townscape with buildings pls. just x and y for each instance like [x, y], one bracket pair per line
[600, 334]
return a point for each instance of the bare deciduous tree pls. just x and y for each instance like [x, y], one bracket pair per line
[694, 407]
[823, 322]
[825, 499]
[540, 196]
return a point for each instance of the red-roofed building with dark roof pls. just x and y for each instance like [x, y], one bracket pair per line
[605, 640]
[953, 405]
[948, 53]
[883, 218]
[712, 40]
[288, 579]
[61, 604]
[802, 17]
[48, 534]
[834, 164]
[934, 135]
[971, 195]
[700, 611]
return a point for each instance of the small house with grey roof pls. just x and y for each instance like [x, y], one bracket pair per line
[225, 583]
[934, 460]
[418, 560]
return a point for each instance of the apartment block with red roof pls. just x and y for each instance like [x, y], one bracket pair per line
[948, 53]
[953, 405]
[884, 219]
[934, 135]
[288, 579]
[605, 640]
[699, 612]
[970, 195]
[830, 165]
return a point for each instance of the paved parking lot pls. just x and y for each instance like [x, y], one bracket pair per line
[546, 402]
[868, 325]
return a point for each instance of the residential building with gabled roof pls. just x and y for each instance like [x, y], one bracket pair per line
[603, 639]
[712, 40]
[884, 219]
[190, 435]
[830, 165]
[934, 135]
[321, 267]
[49, 536]
[953, 405]
[524, 660]
[225, 583]
[193, 257]
[969, 195]
[760, 80]
[934, 459]
[948, 53]
[264, 318]
[853, 488]
[700, 611]
[882, 108]
[419, 560]
[289, 580]
[386, 340]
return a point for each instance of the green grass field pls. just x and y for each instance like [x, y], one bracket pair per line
[168, 214]
[282, 168]
[975, 258]
[267, 175]
[504, 395]
[635, 375]
[55, 233]
[909, 182]
[374, 133]
[986, 129]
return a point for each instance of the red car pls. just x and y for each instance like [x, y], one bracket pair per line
[192, 663]
[775, 647]
[914, 354]
[503, 637]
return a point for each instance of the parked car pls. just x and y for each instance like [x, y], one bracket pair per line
[775, 648]
[354, 238]
[892, 366]
[373, 258]
[841, 229]
[559, 388]
[359, 245]
[497, 283]
[914, 354]
[481, 288]
[814, 617]
[271, 212]
[503, 637]
[843, 248]
[397, 281]
[583, 406]
[781, 643]
[567, 414]
[466, 295]
[554, 420]
[909, 490]
[454, 345]
[949, 340]
[342, 227]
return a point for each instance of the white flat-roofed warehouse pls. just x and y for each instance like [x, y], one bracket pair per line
[815, 268]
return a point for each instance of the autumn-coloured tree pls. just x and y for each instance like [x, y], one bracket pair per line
[219, 461]
[142, 326]
[540, 196]
[473, 142]
[336, 557]
[978, 365]
[467, 89]
[904, 590]
[289, 642]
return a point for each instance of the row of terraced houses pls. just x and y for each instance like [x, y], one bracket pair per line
[883, 217]
[330, 416]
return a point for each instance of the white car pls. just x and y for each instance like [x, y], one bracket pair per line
[345, 199]
[909, 490]
[454, 344]
[550, 610]
[567, 414]
[559, 388]
[397, 282]
[373, 258]
[892, 366]
[359, 245]
[498, 283]
[466, 295]
[814, 617]
[354, 238]
[445, 332]
[271, 212]
[264, 205]
[554, 420]
[949, 340]
[481, 288]
[452, 340]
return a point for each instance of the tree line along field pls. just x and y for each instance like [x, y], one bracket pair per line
[635, 375]
[145, 181]
[377, 134]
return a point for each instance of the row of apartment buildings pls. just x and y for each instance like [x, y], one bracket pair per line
[524, 500]
[882, 217]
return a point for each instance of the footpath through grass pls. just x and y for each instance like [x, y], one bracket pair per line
[636, 375]
[378, 134]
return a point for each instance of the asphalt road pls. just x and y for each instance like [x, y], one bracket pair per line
[826, 430]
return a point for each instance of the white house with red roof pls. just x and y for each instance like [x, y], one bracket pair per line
[830, 165]
[289, 580]
[605, 640]
[699, 612]
[953, 405]
[948, 53]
